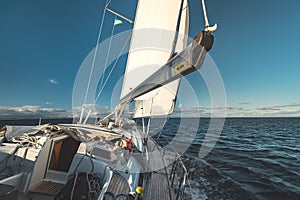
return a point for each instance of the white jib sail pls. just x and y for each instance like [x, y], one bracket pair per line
[150, 48]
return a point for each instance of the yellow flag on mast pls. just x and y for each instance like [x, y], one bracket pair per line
[117, 22]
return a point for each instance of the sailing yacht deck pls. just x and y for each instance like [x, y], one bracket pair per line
[118, 186]
[158, 188]
[158, 181]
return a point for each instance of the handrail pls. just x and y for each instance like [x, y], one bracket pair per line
[182, 182]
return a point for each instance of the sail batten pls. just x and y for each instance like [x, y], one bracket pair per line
[151, 45]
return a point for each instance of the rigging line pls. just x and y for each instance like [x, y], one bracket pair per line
[160, 132]
[205, 14]
[107, 3]
[108, 51]
[152, 99]
[74, 184]
[148, 126]
[143, 124]
[165, 169]
[167, 119]
[190, 187]
[113, 67]
[96, 50]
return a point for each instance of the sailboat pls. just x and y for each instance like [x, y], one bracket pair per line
[114, 158]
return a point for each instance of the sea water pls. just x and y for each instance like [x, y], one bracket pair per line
[254, 158]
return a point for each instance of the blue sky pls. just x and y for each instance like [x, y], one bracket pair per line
[257, 46]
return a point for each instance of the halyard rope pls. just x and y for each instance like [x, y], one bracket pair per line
[96, 50]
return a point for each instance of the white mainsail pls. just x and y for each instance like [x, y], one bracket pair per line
[151, 44]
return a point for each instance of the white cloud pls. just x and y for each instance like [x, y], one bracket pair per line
[53, 81]
[268, 108]
[244, 103]
[29, 111]
[35, 112]
[198, 112]
[290, 110]
[289, 105]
